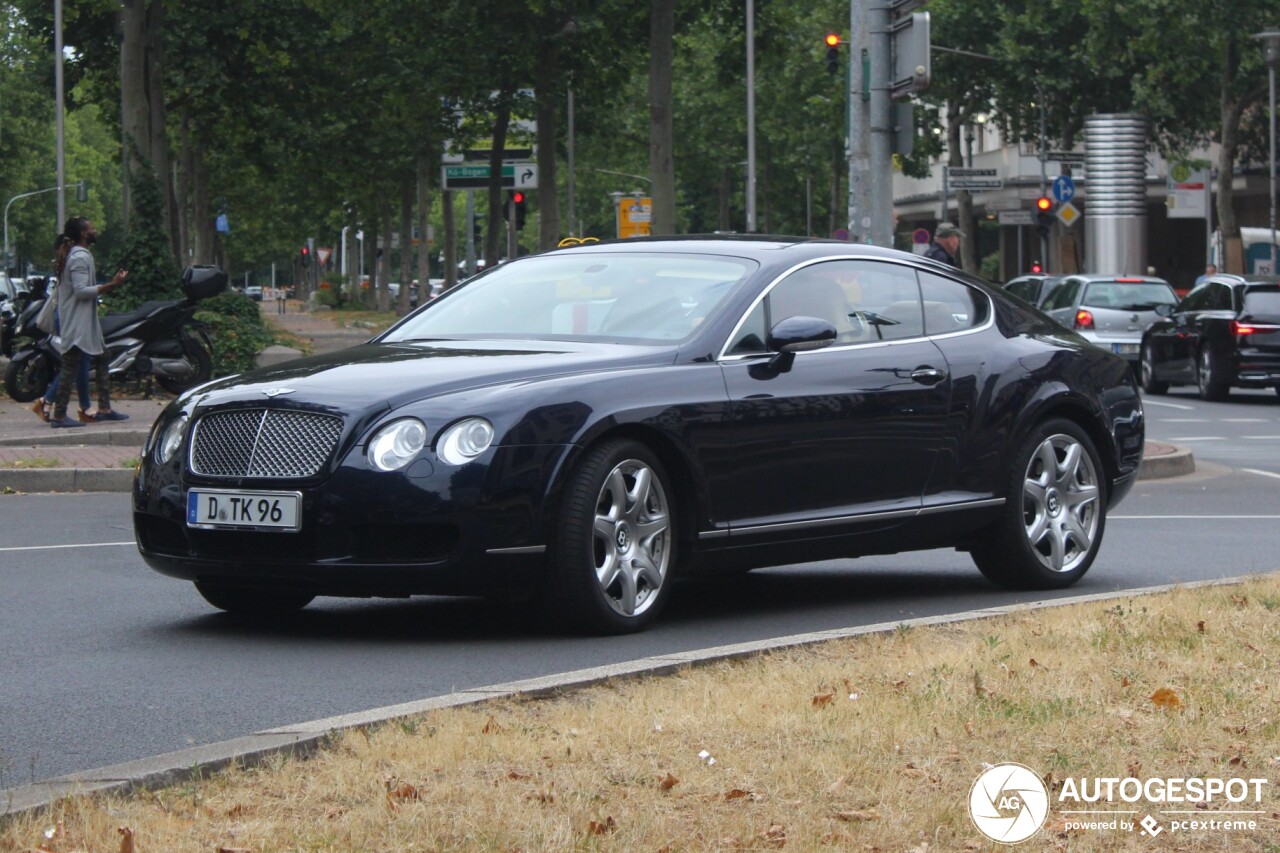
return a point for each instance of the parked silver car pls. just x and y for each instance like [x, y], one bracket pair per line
[1110, 311]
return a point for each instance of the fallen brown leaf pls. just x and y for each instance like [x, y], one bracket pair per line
[857, 815]
[775, 835]
[1239, 600]
[1166, 698]
[1200, 626]
[668, 782]
[736, 794]
[837, 786]
[822, 700]
[126, 839]
[491, 726]
[602, 827]
[968, 727]
[914, 772]
[517, 776]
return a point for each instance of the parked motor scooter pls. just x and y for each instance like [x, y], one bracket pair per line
[158, 339]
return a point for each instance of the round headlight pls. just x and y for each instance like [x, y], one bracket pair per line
[395, 445]
[464, 441]
[171, 438]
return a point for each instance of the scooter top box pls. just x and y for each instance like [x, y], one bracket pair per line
[203, 281]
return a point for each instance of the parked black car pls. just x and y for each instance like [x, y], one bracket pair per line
[582, 426]
[1224, 333]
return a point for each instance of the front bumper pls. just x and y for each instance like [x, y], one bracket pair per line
[428, 529]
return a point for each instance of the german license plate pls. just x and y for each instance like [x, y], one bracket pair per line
[232, 508]
[1124, 349]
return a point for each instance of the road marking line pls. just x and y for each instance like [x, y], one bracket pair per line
[1149, 402]
[1261, 473]
[50, 547]
[1195, 517]
[1184, 420]
[1243, 420]
[1197, 438]
[1261, 437]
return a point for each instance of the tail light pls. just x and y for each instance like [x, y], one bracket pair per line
[1084, 319]
[1238, 328]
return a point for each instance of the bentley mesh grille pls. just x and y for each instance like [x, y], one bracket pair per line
[267, 443]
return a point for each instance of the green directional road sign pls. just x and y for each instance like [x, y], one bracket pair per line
[523, 176]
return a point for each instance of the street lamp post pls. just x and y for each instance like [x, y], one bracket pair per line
[1271, 45]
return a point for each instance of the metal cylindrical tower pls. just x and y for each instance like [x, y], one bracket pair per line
[1116, 169]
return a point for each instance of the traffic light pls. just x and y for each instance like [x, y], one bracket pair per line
[832, 41]
[477, 229]
[1044, 215]
[305, 256]
[1036, 267]
[519, 199]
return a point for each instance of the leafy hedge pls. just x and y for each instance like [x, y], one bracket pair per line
[236, 330]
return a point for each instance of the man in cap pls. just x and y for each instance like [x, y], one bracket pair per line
[945, 245]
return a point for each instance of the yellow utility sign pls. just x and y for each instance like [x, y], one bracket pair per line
[634, 215]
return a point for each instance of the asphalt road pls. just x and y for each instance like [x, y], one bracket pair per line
[103, 661]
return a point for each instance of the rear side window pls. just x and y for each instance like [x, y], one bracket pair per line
[950, 306]
[1128, 296]
[1063, 296]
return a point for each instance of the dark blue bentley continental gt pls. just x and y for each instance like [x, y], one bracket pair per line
[583, 426]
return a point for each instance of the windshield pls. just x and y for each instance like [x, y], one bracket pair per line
[1262, 302]
[1128, 296]
[641, 297]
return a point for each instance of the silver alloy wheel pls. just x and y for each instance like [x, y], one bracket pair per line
[1148, 367]
[1060, 503]
[631, 537]
[1202, 375]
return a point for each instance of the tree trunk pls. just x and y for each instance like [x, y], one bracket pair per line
[450, 239]
[158, 140]
[182, 189]
[726, 192]
[384, 257]
[1230, 112]
[201, 215]
[424, 219]
[494, 231]
[661, 128]
[134, 129]
[369, 297]
[406, 247]
[545, 75]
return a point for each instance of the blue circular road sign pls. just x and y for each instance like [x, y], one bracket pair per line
[1064, 189]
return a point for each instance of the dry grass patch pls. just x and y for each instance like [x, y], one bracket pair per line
[31, 462]
[865, 744]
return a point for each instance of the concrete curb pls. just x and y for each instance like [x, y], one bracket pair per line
[1166, 465]
[304, 738]
[62, 437]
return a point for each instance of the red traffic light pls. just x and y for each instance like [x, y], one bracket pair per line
[305, 251]
[1035, 267]
[517, 197]
[1044, 204]
[832, 40]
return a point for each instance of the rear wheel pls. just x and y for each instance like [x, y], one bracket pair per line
[252, 601]
[28, 378]
[611, 565]
[1053, 520]
[1147, 373]
[1211, 376]
[202, 369]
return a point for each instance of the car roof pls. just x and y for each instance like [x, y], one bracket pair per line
[1090, 278]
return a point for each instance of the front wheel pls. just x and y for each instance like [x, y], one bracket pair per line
[1052, 522]
[252, 601]
[28, 378]
[612, 560]
[1147, 373]
[201, 369]
[1210, 378]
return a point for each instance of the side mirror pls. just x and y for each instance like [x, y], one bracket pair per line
[796, 334]
[801, 334]
[1165, 309]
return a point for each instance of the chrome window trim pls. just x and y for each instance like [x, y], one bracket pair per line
[859, 517]
[724, 356]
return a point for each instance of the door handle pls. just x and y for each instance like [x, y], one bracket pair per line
[928, 375]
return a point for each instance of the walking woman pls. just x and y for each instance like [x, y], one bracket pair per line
[78, 315]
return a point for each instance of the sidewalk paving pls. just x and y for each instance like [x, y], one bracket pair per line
[100, 457]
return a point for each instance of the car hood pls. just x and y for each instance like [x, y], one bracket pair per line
[397, 373]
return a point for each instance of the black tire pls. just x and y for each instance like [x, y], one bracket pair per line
[200, 360]
[252, 601]
[1211, 376]
[1035, 544]
[615, 545]
[28, 378]
[1147, 373]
